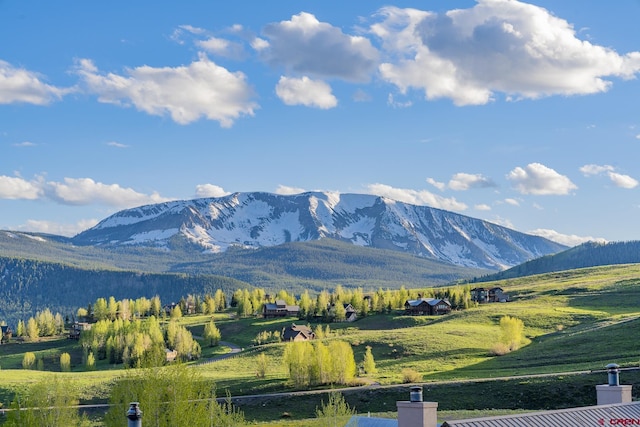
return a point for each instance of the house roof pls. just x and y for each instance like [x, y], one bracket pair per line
[430, 301]
[278, 306]
[294, 330]
[348, 307]
[617, 414]
[357, 421]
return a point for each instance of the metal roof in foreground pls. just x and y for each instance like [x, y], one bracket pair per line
[620, 414]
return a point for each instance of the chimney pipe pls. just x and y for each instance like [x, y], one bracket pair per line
[417, 413]
[613, 373]
[613, 392]
[416, 394]
[134, 415]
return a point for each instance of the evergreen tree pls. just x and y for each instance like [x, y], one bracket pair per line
[100, 309]
[369, 364]
[296, 359]
[112, 308]
[156, 306]
[20, 330]
[65, 362]
[176, 312]
[32, 330]
[28, 360]
[261, 365]
[339, 312]
[212, 333]
[323, 363]
[220, 299]
[305, 304]
[343, 362]
[512, 331]
[91, 362]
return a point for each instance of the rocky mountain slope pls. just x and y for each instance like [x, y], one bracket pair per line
[258, 220]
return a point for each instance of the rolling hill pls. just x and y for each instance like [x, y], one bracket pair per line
[589, 254]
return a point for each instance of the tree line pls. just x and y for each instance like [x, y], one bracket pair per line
[328, 306]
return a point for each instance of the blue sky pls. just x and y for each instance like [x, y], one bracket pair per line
[523, 114]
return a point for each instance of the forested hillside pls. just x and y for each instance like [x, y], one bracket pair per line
[590, 254]
[328, 262]
[28, 286]
[38, 271]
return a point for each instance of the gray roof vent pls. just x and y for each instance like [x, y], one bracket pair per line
[416, 394]
[613, 374]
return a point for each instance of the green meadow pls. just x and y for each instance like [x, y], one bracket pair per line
[575, 322]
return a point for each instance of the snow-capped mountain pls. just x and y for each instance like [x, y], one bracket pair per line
[254, 220]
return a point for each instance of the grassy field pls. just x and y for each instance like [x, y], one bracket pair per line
[574, 321]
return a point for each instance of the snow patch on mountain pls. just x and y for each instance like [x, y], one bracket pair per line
[359, 232]
[155, 235]
[254, 220]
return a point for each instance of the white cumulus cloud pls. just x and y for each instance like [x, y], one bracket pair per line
[18, 85]
[464, 181]
[186, 93]
[221, 47]
[415, 197]
[589, 170]
[622, 181]
[506, 46]
[50, 227]
[618, 179]
[538, 179]
[85, 191]
[439, 185]
[210, 190]
[287, 191]
[307, 92]
[75, 191]
[565, 239]
[259, 44]
[305, 45]
[19, 188]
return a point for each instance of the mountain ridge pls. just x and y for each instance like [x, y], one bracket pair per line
[258, 219]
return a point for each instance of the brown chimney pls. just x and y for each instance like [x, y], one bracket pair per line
[417, 413]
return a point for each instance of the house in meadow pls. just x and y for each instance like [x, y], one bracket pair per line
[427, 307]
[279, 309]
[297, 333]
